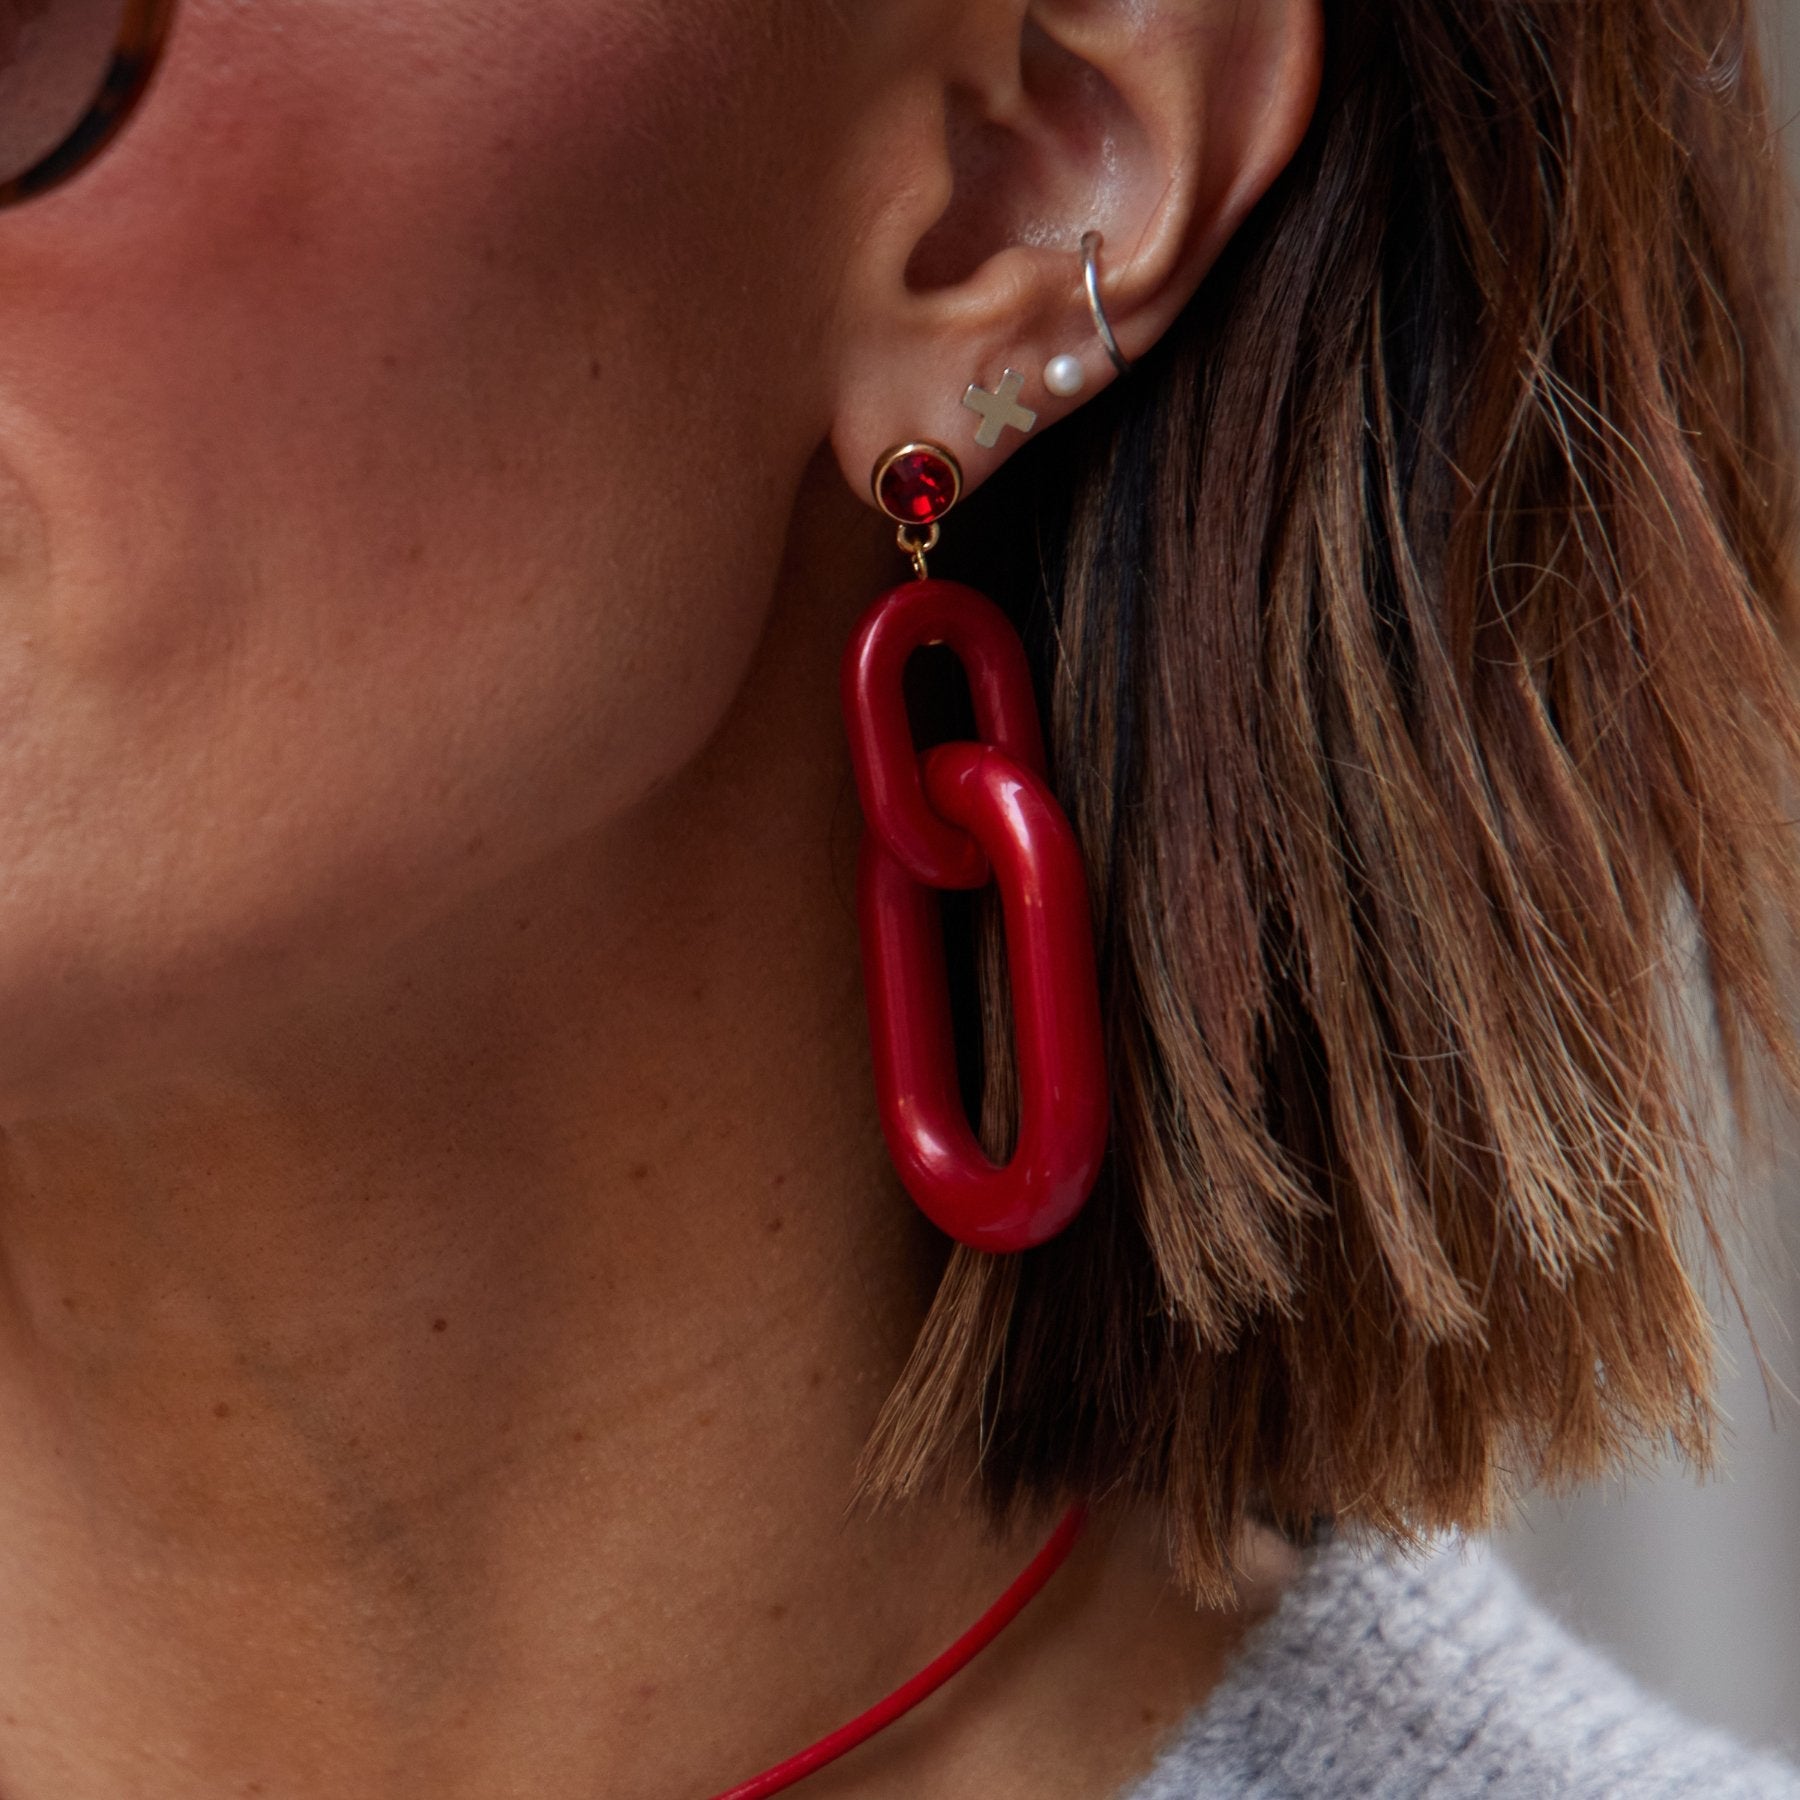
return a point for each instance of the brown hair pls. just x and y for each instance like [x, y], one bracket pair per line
[1415, 629]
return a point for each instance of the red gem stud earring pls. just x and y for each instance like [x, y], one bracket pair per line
[958, 817]
[916, 485]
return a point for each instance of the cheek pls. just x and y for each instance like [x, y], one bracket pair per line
[395, 441]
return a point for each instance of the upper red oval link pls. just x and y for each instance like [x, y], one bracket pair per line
[881, 743]
[1063, 1099]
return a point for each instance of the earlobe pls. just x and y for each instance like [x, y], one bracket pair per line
[1149, 128]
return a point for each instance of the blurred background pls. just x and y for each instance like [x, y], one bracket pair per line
[1695, 1587]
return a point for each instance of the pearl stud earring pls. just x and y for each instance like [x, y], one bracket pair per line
[1065, 377]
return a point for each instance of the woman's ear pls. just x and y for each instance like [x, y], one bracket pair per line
[1005, 131]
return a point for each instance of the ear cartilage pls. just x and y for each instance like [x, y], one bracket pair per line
[1065, 377]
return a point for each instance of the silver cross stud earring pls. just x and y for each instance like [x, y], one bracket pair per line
[1000, 409]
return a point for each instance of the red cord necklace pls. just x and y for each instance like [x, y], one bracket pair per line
[929, 1679]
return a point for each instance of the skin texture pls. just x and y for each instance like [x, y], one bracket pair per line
[449, 1259]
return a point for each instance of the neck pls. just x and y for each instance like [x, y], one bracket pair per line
[451, 1385]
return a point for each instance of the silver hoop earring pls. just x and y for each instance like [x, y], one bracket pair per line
[1090, 254]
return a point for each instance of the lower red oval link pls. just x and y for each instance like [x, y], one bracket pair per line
[1063, 1102]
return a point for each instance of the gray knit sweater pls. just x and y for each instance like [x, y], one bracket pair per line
[1383, 1676]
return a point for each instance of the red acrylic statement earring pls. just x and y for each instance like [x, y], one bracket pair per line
[958, 817]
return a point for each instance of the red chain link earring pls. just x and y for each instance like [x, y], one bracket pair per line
[956, 818]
